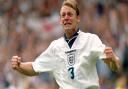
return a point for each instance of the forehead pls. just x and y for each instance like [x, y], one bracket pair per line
[65, 9]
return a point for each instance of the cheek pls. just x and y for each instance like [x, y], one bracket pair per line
[74, 22]
[61, 21]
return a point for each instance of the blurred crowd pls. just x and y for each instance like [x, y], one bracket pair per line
[28, 26]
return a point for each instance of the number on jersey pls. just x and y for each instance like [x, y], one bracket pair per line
[71, 72]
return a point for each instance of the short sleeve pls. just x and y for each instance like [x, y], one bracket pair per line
[98, 47]
[46, 61]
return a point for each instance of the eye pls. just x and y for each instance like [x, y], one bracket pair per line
[70, 14]
[62, 15]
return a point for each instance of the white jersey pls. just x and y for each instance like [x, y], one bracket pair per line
[75, 67]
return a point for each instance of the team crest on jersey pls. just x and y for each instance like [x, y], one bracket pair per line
[71, 56]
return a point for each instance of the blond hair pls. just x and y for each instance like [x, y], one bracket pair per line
[73, 4]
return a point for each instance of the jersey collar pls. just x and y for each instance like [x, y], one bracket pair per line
[75, 34]
[71, 40]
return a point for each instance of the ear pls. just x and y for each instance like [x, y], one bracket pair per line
[78, 18]
[60, 21]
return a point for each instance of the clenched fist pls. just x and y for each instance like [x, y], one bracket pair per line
[109, 53]
[15, 61]
[112, 60]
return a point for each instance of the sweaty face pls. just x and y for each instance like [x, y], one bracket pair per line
[68, 18]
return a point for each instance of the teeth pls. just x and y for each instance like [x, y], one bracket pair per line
[66, 23]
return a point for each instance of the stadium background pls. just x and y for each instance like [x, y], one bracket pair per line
[28, 26]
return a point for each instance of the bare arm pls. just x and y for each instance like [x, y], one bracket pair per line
[22, 67]
[112, 60]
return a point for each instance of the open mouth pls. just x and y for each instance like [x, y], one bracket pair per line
[67, 24]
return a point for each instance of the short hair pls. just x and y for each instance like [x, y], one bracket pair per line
[73, 4]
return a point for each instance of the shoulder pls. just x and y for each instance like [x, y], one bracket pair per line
[88, 35]
[57, 42]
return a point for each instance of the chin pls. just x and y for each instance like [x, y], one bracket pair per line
[67, 29]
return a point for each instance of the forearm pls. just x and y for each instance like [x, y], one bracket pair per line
[112, 60]
[26, 69]
[114, 65]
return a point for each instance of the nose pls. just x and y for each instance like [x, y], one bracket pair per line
[67, 16]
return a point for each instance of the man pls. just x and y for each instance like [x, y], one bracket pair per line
[72, 58]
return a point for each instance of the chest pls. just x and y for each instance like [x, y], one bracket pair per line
[75, 57]
[73, 63]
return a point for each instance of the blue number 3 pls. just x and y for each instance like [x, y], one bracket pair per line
[71, 71]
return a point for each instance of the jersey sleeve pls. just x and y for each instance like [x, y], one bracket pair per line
[46, 61]
[98, 47]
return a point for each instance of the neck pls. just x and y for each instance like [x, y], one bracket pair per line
[69, 33]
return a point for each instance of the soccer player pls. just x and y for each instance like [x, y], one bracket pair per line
[72, 58]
